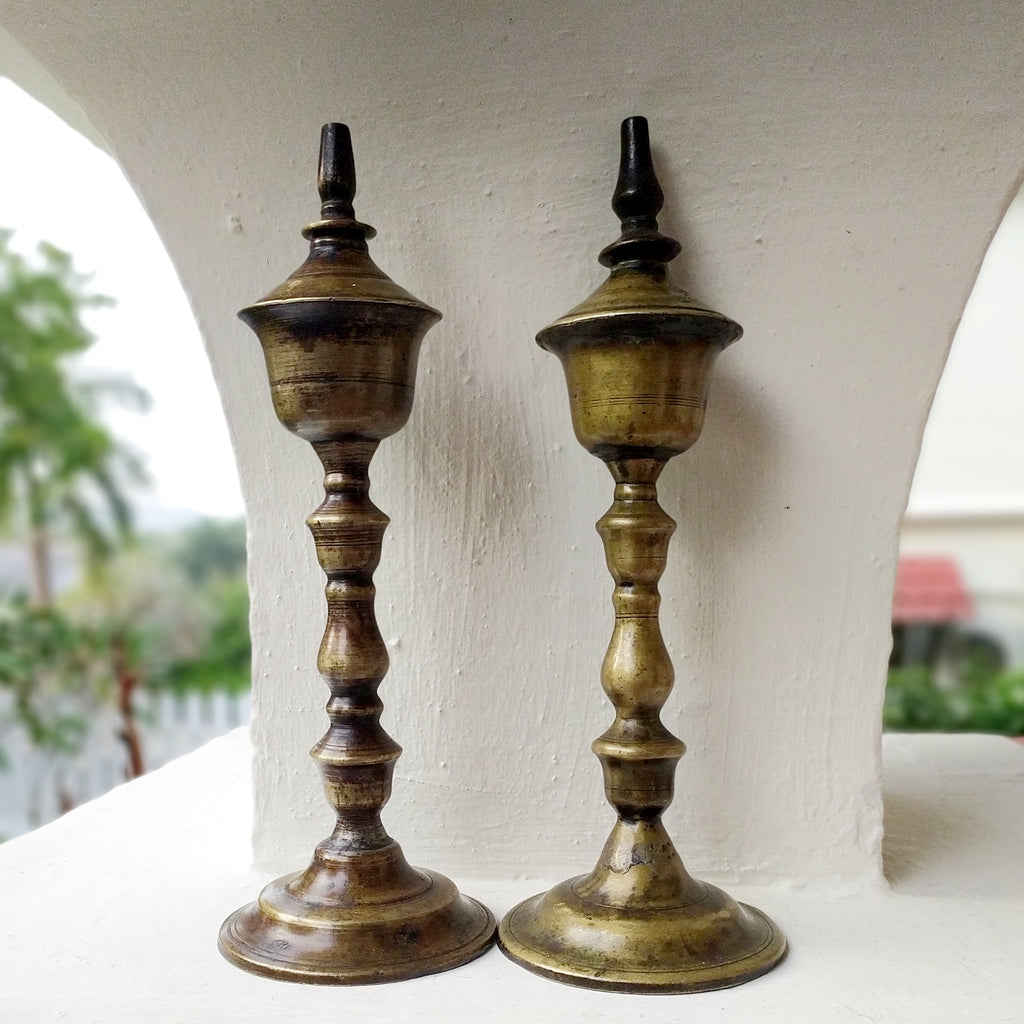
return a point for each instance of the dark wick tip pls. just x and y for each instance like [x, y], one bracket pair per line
[336, 176]
[637, 192]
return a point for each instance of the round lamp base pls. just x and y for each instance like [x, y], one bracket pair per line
[713, 942]
[286, 936]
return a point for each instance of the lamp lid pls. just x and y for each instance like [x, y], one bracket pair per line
[638, 288]
[339, 267]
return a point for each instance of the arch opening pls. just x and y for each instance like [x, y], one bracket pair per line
[134, 678]
[958, 613]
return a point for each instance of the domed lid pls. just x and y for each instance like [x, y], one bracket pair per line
[338, 268]
[638, 295]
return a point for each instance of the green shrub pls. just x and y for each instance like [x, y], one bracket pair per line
[979, 703]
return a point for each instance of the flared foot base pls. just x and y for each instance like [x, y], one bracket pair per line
[712, 942]
[293, 935]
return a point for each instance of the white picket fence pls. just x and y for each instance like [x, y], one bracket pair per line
[34, 784]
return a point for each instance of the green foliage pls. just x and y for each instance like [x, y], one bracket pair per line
[173, 631]
[49, 665]
[168, 613]
[211, 548]
[181, 605]
[213, 558]
[223, 661]
[982, 702]
[210, 557]
[59, 464]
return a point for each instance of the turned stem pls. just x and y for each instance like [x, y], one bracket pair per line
[356, 757]
[637, 753]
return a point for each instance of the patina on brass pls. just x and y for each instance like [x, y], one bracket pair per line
[637, 356]
[341, 342]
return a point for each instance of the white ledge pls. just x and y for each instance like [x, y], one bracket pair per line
[111, 915]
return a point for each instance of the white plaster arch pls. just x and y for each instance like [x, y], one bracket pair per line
[835, 175]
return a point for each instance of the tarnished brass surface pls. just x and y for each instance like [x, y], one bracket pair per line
[341, 342]
[637, 357]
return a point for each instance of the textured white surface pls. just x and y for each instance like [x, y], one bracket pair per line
[834, 174]
[110, 916]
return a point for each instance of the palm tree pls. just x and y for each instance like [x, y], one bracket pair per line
[60, 467]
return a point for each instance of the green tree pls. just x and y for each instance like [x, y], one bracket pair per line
[60, 467]
[44, 659]
[211, 547]
[212, 556]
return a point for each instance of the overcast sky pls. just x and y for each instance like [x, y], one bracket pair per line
[972, 459]
[150, 334]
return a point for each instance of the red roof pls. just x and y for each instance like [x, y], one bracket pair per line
[929, 589]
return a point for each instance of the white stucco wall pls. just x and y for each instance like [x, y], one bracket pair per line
[834, 172]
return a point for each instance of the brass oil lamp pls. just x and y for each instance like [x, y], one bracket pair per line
[637, 357]
[341, 342]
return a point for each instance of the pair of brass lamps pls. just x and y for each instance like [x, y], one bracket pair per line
[341, 342]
